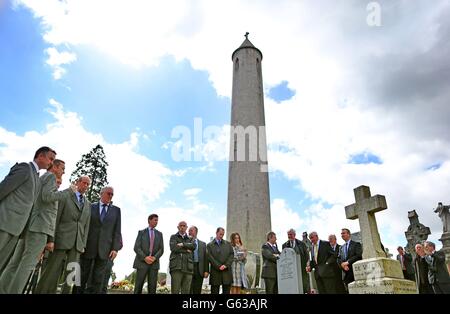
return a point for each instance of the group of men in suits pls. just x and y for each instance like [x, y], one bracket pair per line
[431, 274]
[330, 262]
[35, 216]
[191, 260]
[428, 268]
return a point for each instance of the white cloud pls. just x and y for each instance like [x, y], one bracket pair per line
[56, 59]
[192, 192]
[138, 181]
[284, 218]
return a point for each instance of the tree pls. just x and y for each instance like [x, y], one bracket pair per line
[93, 164]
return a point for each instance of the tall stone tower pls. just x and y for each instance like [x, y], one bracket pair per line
[248, 180]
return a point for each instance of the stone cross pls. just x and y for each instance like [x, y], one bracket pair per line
[365, 208]
[246, 35]
[416, 232]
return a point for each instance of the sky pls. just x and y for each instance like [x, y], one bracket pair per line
[356, 93]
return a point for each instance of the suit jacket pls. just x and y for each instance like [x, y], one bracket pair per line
[407, 260]
[301, 249]
[437, 269]
[326, 259]
[106, 236]
[72, 224]
[354, 254]
[45, 209]
[337, 268]
[203, 264]
[181, 258]
[269, 269]
[18, 192]
[142, 249]
[421, 271]
[217, 256]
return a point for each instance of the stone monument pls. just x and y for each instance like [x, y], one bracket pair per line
[356, 236]
[289, 273]
[374, 274]
[443, 212]
[253, 270]
[248, 208]
[306, 241]
[416, 233]
[388, 254]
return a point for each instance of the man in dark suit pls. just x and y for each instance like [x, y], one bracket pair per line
[340, 287]
[220, 256]
[18, 192]
[201, 266]
[301, 249]
[406, 263]
[72, 227]
[103, 242]
[349, 253]
[270, 255]
[108, 271]
[438, 275]
[421, 270]
[149, 248]
[322, 260]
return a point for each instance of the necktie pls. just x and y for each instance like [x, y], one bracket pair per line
[152, 241]
[81, 200]
[196, 252]
[345, 250]
[292, 244]
[103, 213]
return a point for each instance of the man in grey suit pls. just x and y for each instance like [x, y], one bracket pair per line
[34, 239]
[72, 226]
[103, 243]
[270, 255]
[18, 192]
[181, 261]
[220, 255]
[149, 248]
[201, 266]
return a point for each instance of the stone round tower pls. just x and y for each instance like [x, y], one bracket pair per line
[248, 180]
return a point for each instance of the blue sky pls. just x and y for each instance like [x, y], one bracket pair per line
[126, 84]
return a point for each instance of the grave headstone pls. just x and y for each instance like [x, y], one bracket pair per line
[289, 273]
[375, 274]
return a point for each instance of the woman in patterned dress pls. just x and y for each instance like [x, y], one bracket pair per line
[238, 265]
